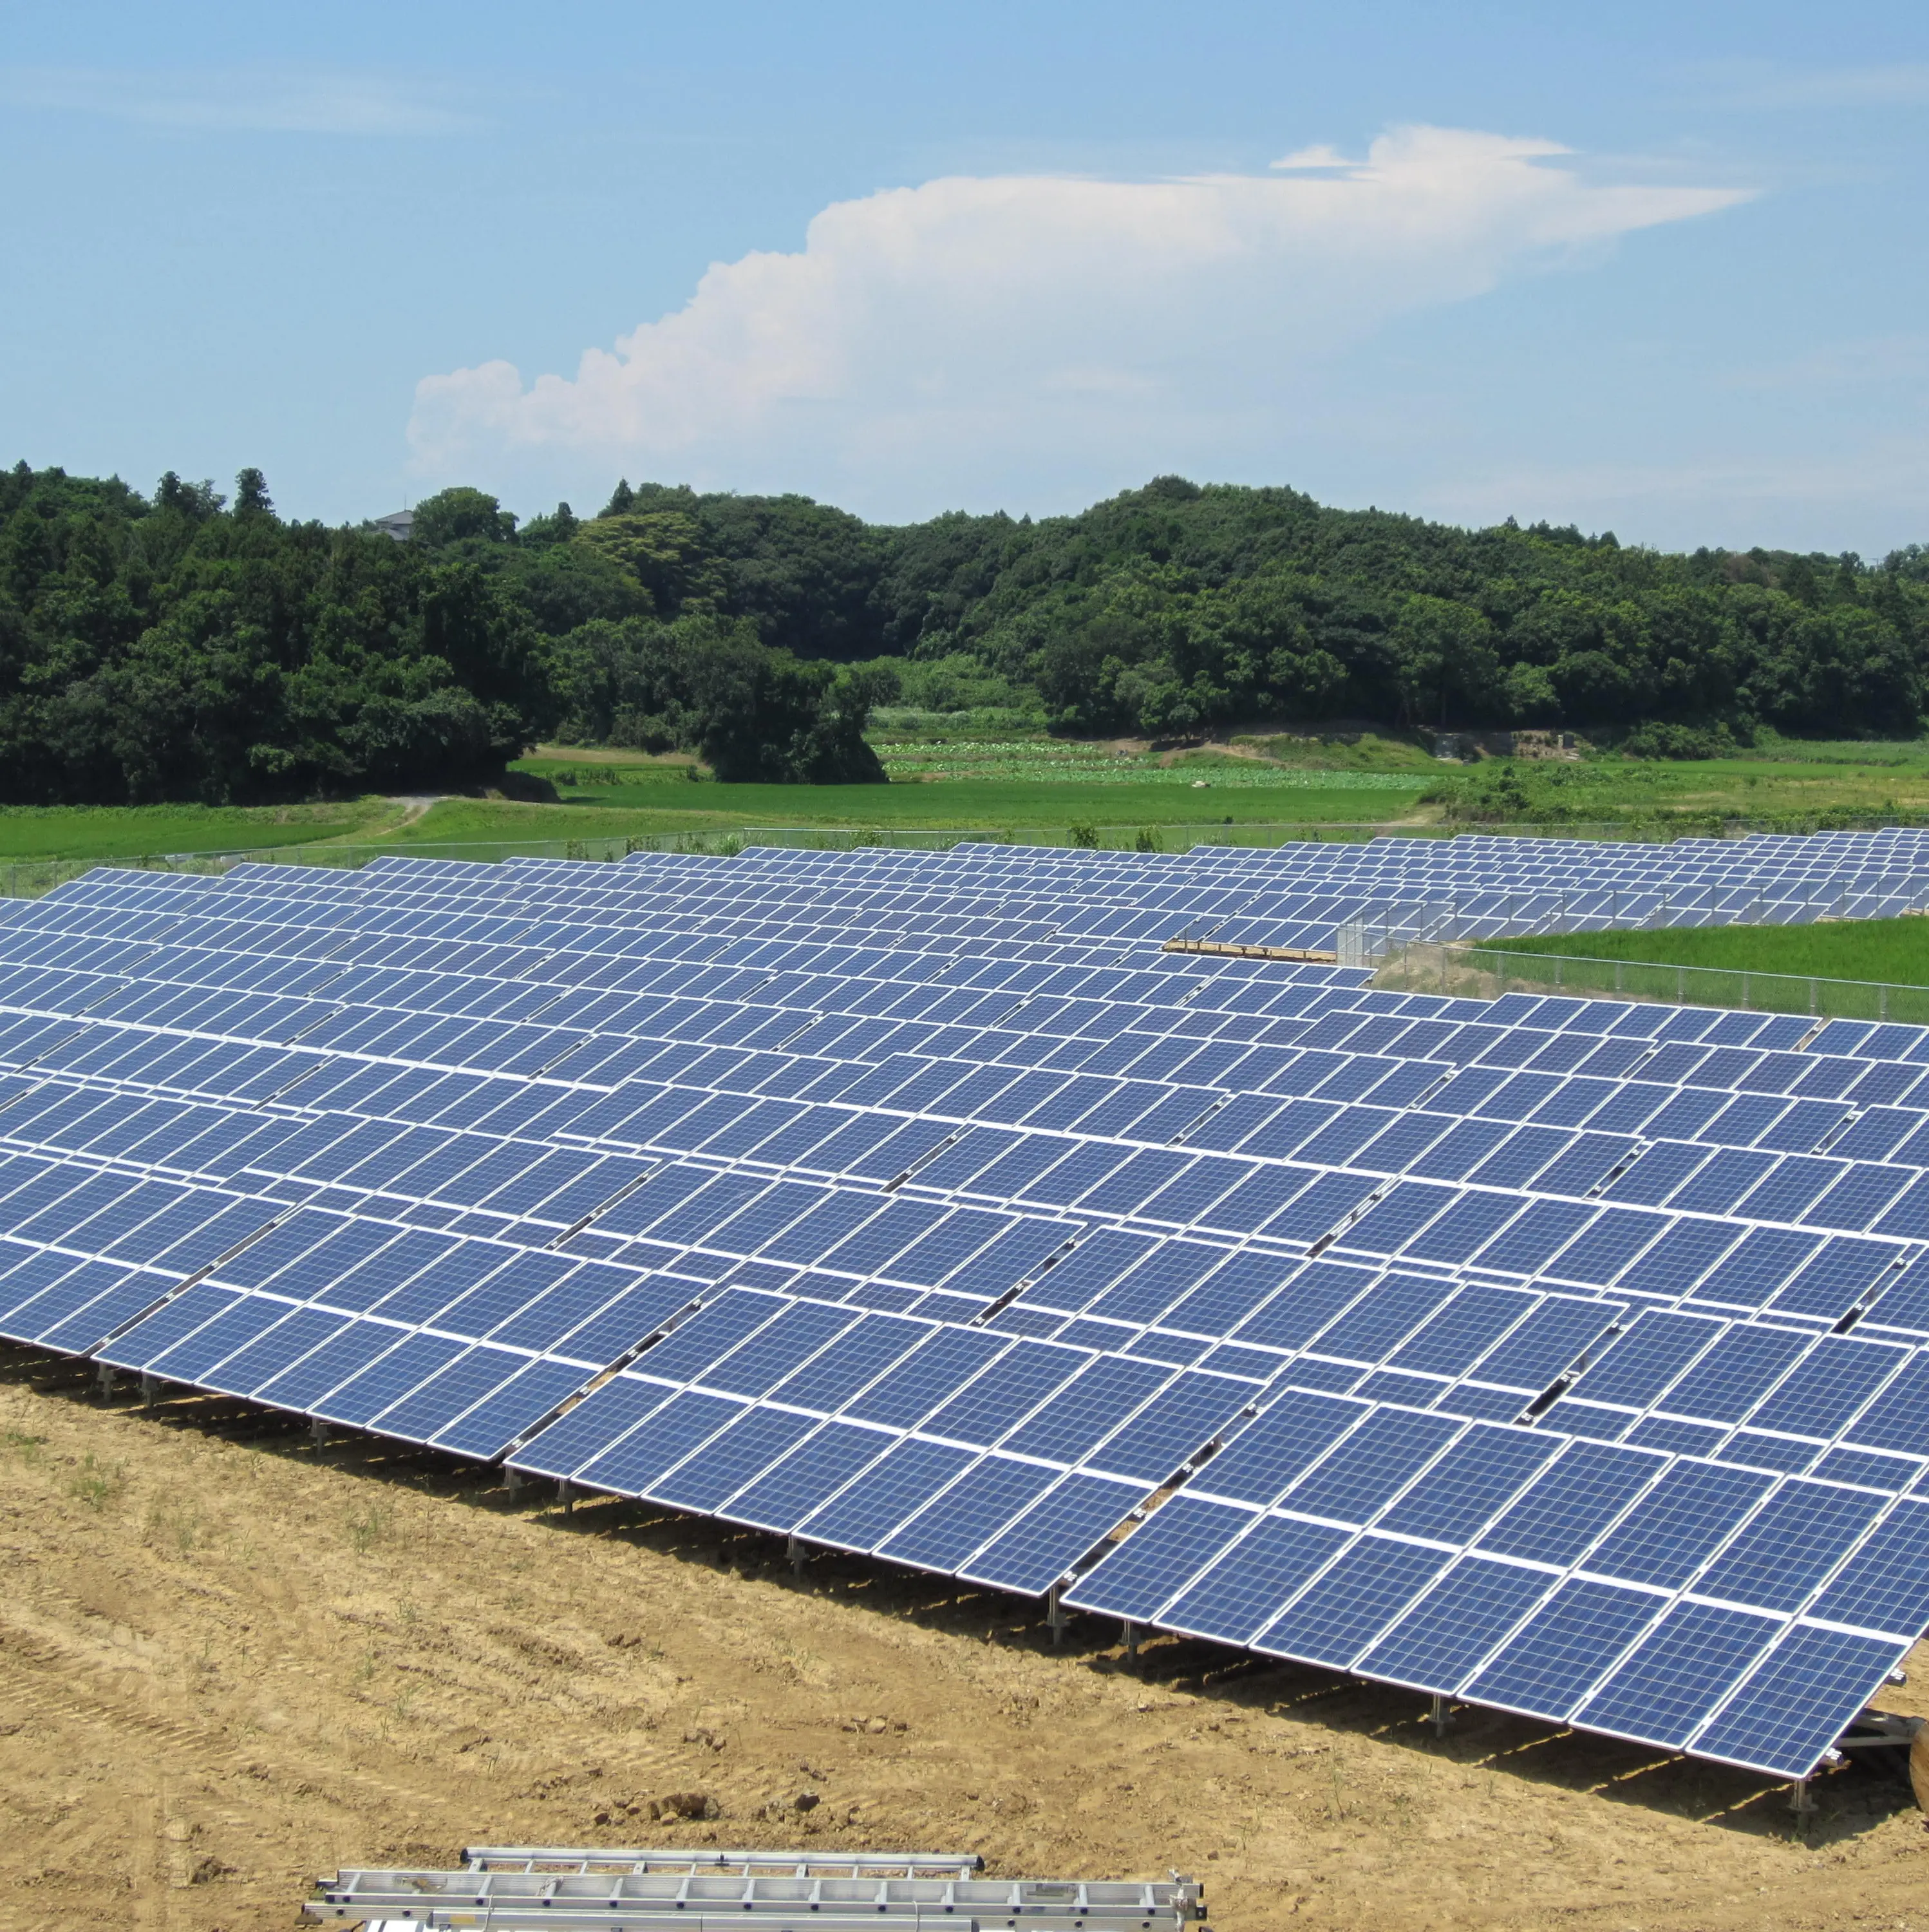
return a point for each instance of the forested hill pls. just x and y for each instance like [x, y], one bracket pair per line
[179, 646]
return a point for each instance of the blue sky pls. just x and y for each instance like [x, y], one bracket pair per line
[1655, 268]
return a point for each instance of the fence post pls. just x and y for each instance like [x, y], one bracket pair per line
[1745, 992]
[1814, 990]
[1681, 982]
[1882, 1003]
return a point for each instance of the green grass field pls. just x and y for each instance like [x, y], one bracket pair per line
[120, 832]
[1894, 952]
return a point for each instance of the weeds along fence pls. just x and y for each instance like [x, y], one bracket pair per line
[1485, 973]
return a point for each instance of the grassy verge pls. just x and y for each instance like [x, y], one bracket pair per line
[117, 831]
[1893, 951]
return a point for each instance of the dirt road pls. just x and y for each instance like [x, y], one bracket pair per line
[229, 1661]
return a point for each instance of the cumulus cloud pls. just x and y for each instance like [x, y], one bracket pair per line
[925, 337]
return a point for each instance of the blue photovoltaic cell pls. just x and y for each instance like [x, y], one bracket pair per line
[389, 1376]
[306, 1380]
[1885, 1584]
[1172, 1427]
[901, 1481]
[1678, 1524]
[1141, 1573]
[287, 1341]
[1727, 1380]
[1529, 1241]
[1898, 1418]
[510, 1411]
[795, 1484]
[1239, 1594]
[1057, 1530]
[1465, 1614]
[1568, 1644]
[1825, 1388]
[659, 1442]
[449, 1393]
[1799, 1699]
[1470, 1483]
[1547, 1342]
[730, 1459]
[1570, 1502]
[974, 1509]
[1658, 1347]
[1304, 1306]
[1385, 1452]
[1662, 1690]
[1335, 1617]
[1793, 1542]
[1273, 1451]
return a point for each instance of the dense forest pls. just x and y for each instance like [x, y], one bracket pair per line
[180, 646]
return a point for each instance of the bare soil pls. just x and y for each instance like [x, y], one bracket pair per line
[230, 1660]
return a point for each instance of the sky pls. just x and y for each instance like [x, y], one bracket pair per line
[1658, 269]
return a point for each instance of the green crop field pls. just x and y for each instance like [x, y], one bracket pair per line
[997, 773]
[1046, 785]
[124, 832]
[1894, 952]
[1783, 780]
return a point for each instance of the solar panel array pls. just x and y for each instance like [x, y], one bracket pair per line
[1478, 888]
[1563, 1355]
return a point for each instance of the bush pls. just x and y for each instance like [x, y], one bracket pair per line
[1679, 741]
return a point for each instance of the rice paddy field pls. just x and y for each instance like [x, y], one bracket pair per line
[994, 773]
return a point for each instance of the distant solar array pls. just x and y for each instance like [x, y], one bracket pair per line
[1565, 1356]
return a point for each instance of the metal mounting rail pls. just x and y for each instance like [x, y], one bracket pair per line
[581, 1857]
[576, 1889]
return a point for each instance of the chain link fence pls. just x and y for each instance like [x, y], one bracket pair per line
[1485, 973]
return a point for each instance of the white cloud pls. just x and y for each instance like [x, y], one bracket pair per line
[1320, 156]
[926, 339]
[273, 100]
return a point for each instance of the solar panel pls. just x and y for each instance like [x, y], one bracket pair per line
[920, 1204]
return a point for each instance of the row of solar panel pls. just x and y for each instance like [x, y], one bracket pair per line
[1599, 1405]
[788, 1220]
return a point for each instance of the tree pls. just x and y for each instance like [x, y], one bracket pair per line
[1443, 655]
[462, 515]
[251, 496]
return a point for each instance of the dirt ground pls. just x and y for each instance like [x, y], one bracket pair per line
[229, 1661]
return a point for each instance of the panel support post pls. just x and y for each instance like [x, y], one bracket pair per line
[317, 1432]
[512, 1479]
[794, 1549]
[103, 1379]
[1129, 1636]
[563, 1497]
[1442, 1716]
[1799, 1802]
[148, 1386]
[1055, 1614]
